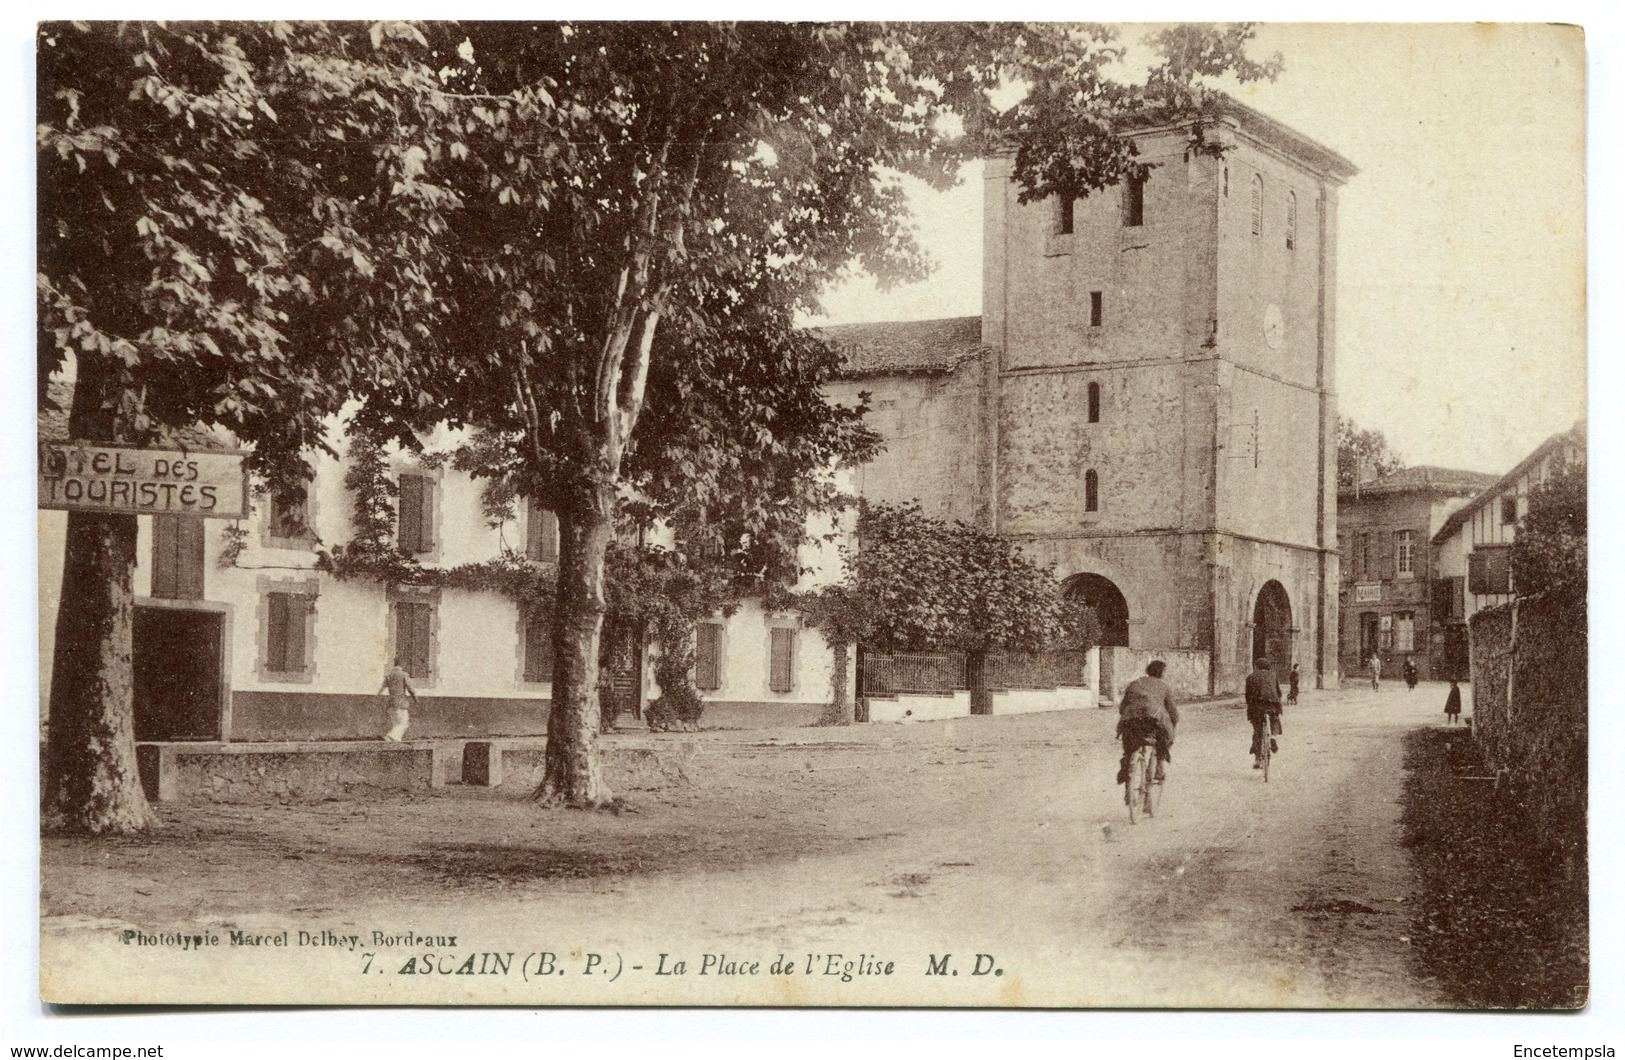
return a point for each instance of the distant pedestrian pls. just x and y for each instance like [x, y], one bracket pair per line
[1410, 673]
[398, 685]
[1452, 704]
[1292, 685]
[1376, 671]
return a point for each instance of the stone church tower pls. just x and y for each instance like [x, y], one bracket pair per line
[1151, 407]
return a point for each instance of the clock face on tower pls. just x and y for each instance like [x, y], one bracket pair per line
[1274, 327]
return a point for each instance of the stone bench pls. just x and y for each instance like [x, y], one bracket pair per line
[628, 764]
[250, 772]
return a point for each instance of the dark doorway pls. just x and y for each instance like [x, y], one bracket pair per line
[178, 688]
[1111, 610]
[1370, 631]
[1272, 627]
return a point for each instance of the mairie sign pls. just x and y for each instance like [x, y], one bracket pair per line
[85, 477]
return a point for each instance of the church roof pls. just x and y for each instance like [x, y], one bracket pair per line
[900, 347]
[1425, 477]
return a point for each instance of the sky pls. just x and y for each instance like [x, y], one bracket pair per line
[1461, 259]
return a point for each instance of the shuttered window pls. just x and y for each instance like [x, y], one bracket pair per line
[1489, 571]
[538, 649]
[781, 659]
[177, 557]
[1291, 220]
[413, 623]
[542, 536]
[286, 633]
[708, 656]
[290, 512]
[414, 521]
[1258, 205]
[1447, 600]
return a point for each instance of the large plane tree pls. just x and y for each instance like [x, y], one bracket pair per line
[230, 228]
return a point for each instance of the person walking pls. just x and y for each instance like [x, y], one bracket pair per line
[1452, 704]
[1410, 673]
[1292, 685]
[398, 685]
[1376, 671]
[1263, 708]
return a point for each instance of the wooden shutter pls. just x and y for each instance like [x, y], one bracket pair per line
[538, 649]
[543, 536]
[781, 660]
[276, 632]
[412, 529]
[412, 632]
[164, 533]
[285, 632]
[708, 656]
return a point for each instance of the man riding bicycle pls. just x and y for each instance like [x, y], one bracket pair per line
[1263, 707]
[1147, 712]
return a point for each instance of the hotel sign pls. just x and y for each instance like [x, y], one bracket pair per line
[1369, 593]
[86, 477]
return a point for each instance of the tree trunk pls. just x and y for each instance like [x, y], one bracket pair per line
[91, 781]
[573, 776]
[981, 697]
[840, 707]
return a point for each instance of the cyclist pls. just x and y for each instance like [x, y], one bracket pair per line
[1147, 708]
[1263, 707]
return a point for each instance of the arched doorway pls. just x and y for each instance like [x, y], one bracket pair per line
[1272, 628]
[1111, 613]
[1106, 599]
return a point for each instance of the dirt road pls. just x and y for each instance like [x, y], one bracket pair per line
[903, 844]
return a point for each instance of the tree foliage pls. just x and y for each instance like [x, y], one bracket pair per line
[1549, 552]
[917, 584]
[1362, 455]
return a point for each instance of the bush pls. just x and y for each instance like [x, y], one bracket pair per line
[680, 704]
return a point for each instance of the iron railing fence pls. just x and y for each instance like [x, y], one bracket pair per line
[886, 675]
[883, 674]
[1052, 669]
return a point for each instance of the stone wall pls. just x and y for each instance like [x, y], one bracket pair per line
[1530, 689]
[1186, 674]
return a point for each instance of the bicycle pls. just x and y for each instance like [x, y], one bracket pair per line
[1266, 745]
[1143, 790]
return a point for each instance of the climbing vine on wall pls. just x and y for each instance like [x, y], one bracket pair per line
[653, 595]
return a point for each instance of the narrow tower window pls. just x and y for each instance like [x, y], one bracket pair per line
[1091, 491]
[1134, 202]
[1095, 308]
[1258, 205]
[1094, 405]
[1063, 215]
[1291, 220]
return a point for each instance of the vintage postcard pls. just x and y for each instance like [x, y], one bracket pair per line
[766, 514]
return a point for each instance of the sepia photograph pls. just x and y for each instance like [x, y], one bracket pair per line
[837, 515]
